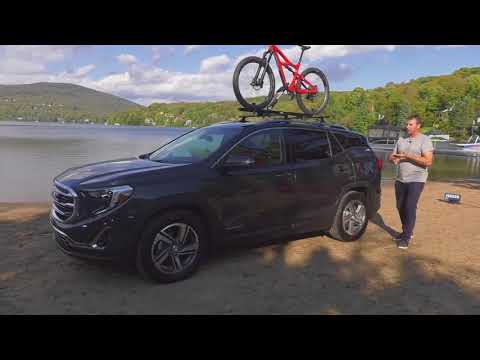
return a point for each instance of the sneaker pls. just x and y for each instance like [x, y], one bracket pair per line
[399, 237]
[403, 244]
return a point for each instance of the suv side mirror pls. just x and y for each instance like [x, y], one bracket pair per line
[144, 156]
[239, 161]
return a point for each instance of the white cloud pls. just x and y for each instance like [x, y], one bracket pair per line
[191, 48]
[214, 63]
[20, 66]
[84, 70]
[148, 101]
[320, 52]
[111, 81]
[39, 53]
[127, 59]
[161, 50]
[147, 83]
[439, 47]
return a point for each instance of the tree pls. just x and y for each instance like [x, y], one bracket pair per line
[474, 86]
[461, 117]
[357, 103]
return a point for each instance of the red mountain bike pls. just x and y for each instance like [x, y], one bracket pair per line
[255, 91]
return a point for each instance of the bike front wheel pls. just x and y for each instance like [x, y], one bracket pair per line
[251, 91]
[313, 103]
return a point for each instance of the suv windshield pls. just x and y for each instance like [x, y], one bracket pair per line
[195, 146]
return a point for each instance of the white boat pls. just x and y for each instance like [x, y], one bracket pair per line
[473, 143]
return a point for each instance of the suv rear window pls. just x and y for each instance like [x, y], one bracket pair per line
[336, 148]
[350, 140]
[308, 145]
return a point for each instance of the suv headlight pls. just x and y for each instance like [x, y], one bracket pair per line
[101, 200]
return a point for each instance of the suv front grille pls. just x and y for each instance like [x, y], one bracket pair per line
[64, 202]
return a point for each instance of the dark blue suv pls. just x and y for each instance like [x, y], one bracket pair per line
[218, 184]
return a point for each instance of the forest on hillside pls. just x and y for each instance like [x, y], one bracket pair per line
[449, 103]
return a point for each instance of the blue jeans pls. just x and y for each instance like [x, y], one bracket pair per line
[407, 195]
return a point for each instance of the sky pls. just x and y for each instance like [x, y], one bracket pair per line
[147, 74]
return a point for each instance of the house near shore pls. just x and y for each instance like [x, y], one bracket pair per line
[437, 135]
[385, 133]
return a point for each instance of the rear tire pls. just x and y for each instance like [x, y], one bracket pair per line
[160, 258]
[340, 230]
[302, 100]
[244, 101]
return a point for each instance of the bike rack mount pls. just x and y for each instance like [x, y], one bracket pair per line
[285, 114]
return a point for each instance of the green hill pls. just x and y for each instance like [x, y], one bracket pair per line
[357, 109]
[56, 101]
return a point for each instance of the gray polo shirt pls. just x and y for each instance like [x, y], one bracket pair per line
[408, 171]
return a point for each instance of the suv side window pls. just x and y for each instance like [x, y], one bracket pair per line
[265, 148]
[350, 140]
[336, 148]
[308, 145]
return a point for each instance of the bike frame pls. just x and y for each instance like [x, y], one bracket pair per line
[293, 68]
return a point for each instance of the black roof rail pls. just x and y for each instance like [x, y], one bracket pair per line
[285, 114]
[341, 127]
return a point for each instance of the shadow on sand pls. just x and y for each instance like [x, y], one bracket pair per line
[280, 276]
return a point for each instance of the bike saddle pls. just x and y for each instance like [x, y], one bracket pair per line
[305, 47]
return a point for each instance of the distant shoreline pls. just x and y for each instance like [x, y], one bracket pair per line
[54, 123]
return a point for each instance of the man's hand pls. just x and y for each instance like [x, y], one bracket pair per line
[401, 156]
[396, 158]
[425, 160]
[393, 158]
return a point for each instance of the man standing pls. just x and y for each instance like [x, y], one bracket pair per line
[413, 155]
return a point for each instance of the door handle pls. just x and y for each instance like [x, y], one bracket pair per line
[284, 174]
[291, 175]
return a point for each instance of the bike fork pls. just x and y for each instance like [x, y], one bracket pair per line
[255, 81]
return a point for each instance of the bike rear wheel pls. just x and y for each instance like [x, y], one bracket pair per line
[251, 92]
[313, 103]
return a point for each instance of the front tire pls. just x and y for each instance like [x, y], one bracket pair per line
[351, 220]
[172, 247]
[246, 94]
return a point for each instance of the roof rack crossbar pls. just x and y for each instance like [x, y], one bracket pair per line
[285, 114]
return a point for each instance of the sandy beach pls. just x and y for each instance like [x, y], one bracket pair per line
[438, 274]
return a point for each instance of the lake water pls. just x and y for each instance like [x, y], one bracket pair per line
[32, 154]
[445, 167]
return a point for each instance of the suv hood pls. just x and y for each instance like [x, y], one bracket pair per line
[109, 169]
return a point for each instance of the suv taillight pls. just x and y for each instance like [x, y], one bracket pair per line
[379, 164]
